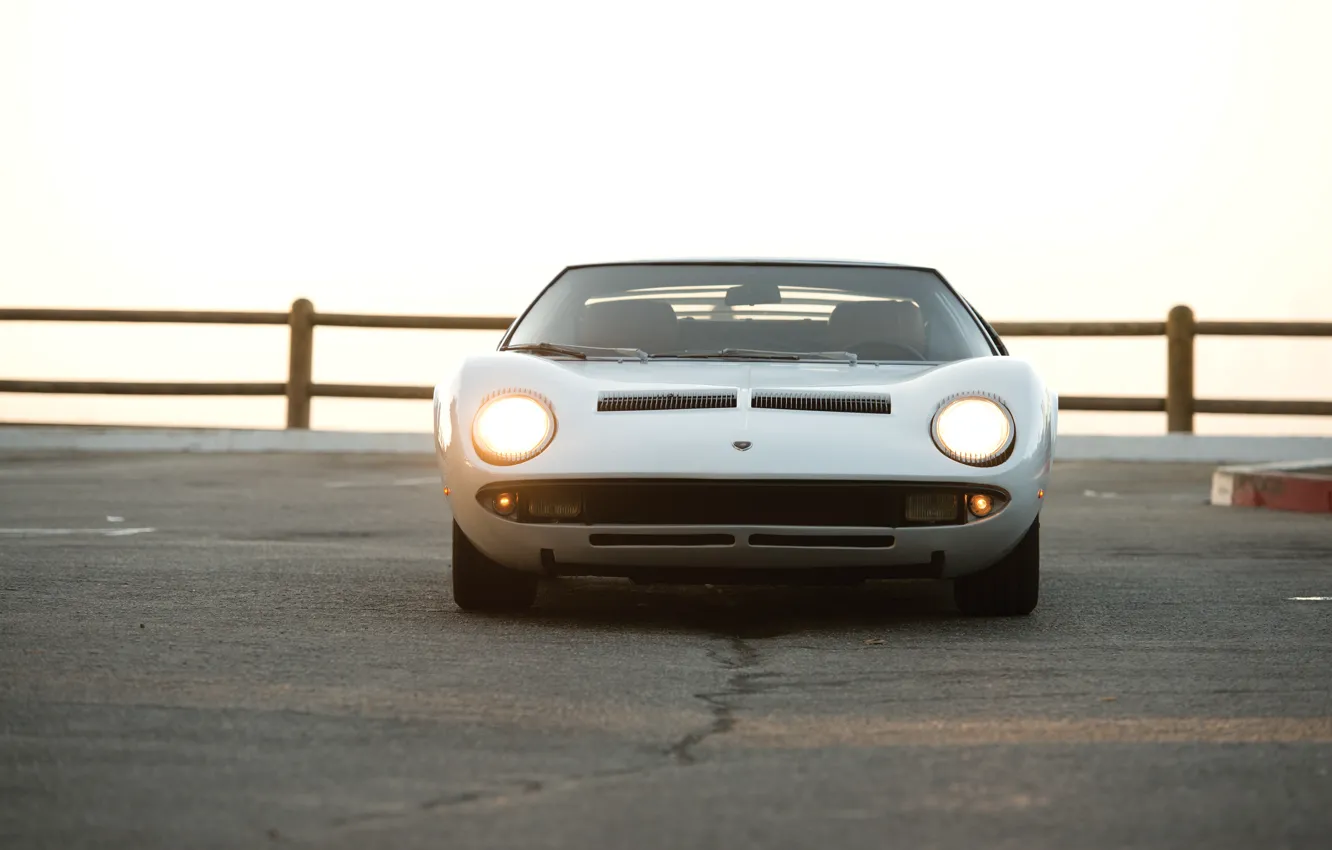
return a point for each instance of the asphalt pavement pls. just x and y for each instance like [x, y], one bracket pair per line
[251, 650]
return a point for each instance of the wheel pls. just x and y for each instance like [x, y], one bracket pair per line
[1009, 588]
[480, 584]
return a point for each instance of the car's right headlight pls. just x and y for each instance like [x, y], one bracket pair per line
[973, 428]
[512, 427]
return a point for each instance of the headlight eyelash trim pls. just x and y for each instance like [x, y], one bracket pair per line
[949, 399]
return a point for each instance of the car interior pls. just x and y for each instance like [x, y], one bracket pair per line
[872, 329]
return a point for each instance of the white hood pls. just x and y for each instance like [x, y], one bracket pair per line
[672, 374]
[784, 443]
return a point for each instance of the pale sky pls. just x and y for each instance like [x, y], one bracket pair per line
[1054, 160]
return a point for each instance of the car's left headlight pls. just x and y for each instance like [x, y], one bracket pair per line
[512, 427]
[974, 428]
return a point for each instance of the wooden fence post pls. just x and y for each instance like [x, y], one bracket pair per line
[300, 365]
[1180, 327]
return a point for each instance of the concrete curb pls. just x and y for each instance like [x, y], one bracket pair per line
[1191, 448]
[1286, 486]
[209, 440]
[1177, 448]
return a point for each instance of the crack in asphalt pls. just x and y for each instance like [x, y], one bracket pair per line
[743, 682]
[526, 786]
[738, 657]
[490, 794]
[522, 787]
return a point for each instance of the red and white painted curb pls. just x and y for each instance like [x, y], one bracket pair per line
[1305, 486]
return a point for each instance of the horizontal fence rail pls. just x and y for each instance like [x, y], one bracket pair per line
[1080, 328]
[1180, 329]
[166, 317]
[141, 388]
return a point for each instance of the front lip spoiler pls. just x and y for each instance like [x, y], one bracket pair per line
[934, 570]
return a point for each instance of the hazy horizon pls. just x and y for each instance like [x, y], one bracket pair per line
[1053, 162]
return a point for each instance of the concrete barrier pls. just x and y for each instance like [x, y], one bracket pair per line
[1189, 448]
[1303, 487]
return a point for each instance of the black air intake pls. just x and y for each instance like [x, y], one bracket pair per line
[626, 400]
[823, 401]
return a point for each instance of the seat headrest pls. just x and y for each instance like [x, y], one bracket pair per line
[857, 322]
[649, 325]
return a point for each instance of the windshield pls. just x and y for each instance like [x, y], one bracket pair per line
[752, 311]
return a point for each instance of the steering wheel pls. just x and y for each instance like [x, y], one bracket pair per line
[881, 350]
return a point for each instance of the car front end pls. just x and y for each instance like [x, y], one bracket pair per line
[704, 470]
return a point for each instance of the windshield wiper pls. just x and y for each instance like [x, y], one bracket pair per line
[759, 354]
[581, 352]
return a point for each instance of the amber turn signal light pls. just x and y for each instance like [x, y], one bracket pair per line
[504, 504]
[981, 505]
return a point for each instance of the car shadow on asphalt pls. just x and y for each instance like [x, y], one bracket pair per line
[743, 611]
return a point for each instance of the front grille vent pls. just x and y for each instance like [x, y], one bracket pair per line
[823, 401]
[627, 400]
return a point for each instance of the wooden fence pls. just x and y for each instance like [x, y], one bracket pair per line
[1180, 330]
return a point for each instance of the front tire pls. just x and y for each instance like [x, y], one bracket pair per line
[480, 584]
[1010, 588]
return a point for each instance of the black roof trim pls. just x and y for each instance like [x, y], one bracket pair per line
[755, 262]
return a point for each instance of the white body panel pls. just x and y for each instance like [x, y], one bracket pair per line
[806, 445]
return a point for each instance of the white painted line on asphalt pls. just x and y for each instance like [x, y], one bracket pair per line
[401, 482]
[115, 519]
[1143, 498]
[1309, 599]
[59, 532]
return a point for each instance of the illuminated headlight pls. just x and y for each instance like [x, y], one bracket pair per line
[974, 429]
[512, 427]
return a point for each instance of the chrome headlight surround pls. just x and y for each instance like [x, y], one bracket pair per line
[499, 457]
[992, 458]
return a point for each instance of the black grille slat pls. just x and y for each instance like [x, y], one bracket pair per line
[661, 539]
[822, 402]
[734, 503]
[692, 502]
[825, 541]
[615, 401]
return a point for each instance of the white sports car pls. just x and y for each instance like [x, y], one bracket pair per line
[747, 422]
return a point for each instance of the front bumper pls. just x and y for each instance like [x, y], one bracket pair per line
[877, 546]
[782, 454]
